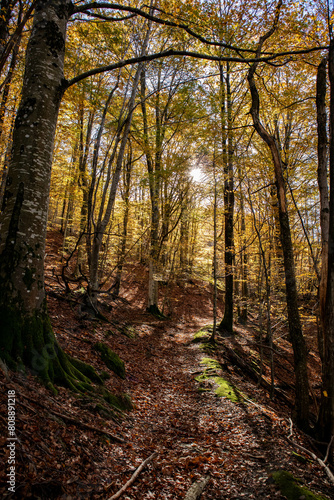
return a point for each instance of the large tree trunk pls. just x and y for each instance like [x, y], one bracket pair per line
[26, 333]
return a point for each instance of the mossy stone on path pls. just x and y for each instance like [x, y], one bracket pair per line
[291, 487]
[203, 334]
[212, 372]
[111, 359]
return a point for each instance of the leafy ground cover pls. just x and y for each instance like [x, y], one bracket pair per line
[70, 447]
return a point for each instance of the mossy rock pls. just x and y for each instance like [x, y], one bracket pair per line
[212, 372]
[203, 334]
[208, 347]
[291, 487]
[111, 359]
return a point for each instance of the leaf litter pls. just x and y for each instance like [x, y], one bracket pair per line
[195, 434]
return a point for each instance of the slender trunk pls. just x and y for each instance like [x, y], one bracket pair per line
[326, 414]
[244, 258]
[213, 336]
[153, 167]
[7, 7]
[6, 162]
[227, 321]
[295, 329]
[104, 221]
[7, 84]
[122, 253]
[323, 190]
[266, 269]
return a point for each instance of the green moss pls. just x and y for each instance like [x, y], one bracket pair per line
[105, 412]
[104, 375]
[208, 347]
[121, 402]
[111, 359]
[292, 489]
[203, 334]
[225, 389]
[27, 342]
[211, 363]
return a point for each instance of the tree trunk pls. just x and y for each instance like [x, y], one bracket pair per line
[243, 310]
[126, 198]
[326, 414]
[26, 334]
[227, 321]
[153, 167]
[323, 190]
[295, 329]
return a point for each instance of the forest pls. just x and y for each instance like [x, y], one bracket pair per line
[167, 249]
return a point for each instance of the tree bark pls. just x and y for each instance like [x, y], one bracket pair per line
[26, 333]
[295, 329]
[153, 168]
[227, 321]
[326, 414]
[323, 191]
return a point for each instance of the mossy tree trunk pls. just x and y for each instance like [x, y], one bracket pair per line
[26, 336]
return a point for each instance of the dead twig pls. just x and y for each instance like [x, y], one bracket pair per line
[133, 477]
[72, 420]
[322, 463]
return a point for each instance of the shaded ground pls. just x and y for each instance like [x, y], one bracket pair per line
[194, 433]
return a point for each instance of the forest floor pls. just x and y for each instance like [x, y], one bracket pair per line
[62, 451]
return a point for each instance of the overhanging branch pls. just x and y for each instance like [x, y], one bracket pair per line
[183, 53]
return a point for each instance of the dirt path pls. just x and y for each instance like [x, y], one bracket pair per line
[195, 434]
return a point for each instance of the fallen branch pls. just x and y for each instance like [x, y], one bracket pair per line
[197, 489]
[322, 463]
[231, 355]
[133, 477]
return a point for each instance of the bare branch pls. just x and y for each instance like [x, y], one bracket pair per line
[182, 53]
[133, 477]
[140, 12]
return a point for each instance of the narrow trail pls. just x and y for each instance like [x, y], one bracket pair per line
[66, 449]
[195, 434]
